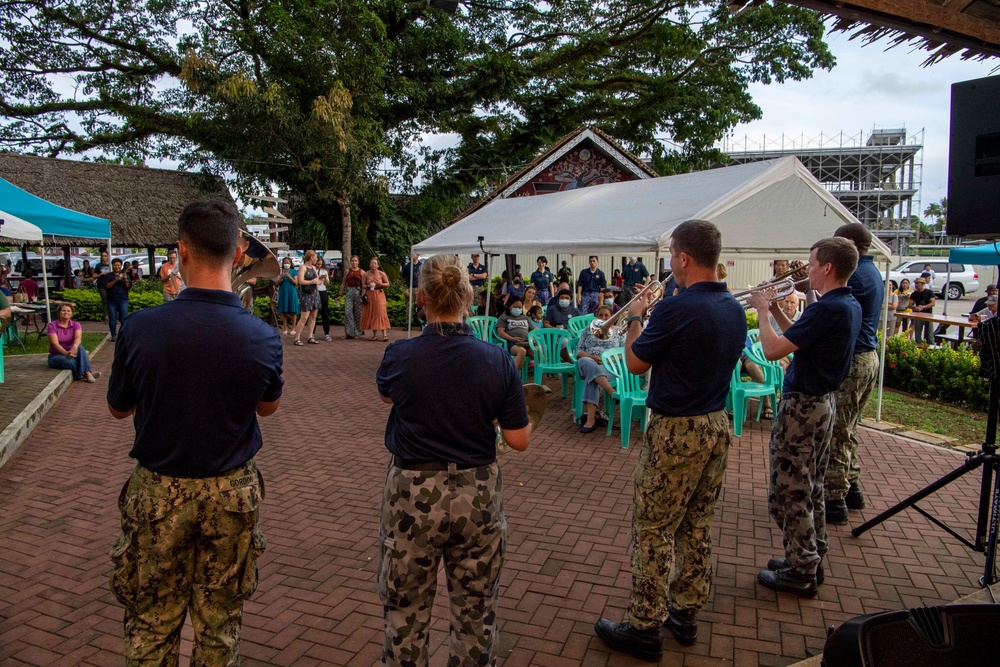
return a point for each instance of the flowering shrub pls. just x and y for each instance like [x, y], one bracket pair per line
[941, 374]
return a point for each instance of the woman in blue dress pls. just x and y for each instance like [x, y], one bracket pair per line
[288, 297]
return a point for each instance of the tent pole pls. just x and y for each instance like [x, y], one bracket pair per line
[489, 293]
[885, 335]
[947, 284]
[45, 285]
[409, 298]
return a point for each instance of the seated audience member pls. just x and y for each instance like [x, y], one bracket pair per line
[513, 327]
[722, 273]
[790, 307]
[608, 299]
[495, 307]
[28, 285]
[557, 317]
[555, 297]
[535, 317]
[591, 369]
[529, 300]
[6, 316]
[780, 266]
[65, 348]
[616, 279]
[516, 288]
[991, 290]
[987, 313]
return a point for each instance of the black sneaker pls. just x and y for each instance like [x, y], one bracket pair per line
[855, 497]
[776, 564]
[684, 626]
[789, 580]
[836, 512]
[642, 644]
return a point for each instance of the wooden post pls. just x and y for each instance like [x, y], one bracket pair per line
[68, 278]
[153, 270]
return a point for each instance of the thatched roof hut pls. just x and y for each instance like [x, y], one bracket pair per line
[143, 204]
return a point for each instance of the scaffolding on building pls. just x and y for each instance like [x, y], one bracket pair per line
[875, 174]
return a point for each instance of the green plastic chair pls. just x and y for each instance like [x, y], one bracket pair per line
[628, 391]
[477, 322]
[576, 325]
[753, 334]
[546, 345]
[740, 392]
[774, 374]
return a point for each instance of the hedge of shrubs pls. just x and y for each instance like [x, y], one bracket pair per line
[938, 374]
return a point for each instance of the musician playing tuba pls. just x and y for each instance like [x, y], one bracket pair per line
[443, 491]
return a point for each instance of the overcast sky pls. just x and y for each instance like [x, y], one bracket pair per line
[870, 88]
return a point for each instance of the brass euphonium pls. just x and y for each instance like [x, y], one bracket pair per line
[257, 261]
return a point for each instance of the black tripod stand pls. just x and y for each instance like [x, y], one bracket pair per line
[989, 496]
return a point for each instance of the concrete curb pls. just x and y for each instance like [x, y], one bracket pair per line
[12, 437]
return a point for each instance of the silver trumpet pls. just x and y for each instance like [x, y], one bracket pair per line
[257, 261]
[602, 328]
[776, 290]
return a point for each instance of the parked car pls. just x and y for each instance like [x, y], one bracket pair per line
[963, 279]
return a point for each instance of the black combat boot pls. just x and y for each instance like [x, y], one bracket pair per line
[855, 497]
[776, 564]
[642, 644]
[789, 580]
[684, 626]
[836, 512]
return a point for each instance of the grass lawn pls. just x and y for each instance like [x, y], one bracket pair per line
[35, 345]
[968, 426]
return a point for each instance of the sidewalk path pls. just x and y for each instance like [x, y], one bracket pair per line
[568, 510]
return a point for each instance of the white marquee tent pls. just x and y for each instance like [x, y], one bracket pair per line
[765, 209]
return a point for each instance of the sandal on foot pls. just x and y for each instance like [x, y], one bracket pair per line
[312, 341]
[767, 414]
[298, 342]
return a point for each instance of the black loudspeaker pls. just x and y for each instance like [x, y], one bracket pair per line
[961, 635]
[974, 159]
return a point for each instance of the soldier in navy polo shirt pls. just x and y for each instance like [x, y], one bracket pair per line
[691, 346]
[194, 374]
[822, 340]
[635, 272]
[477, 273]
[589, 286]
[843, 475]
[443, 496]
[542, 280]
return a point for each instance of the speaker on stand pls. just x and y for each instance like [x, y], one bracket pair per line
[974, 159]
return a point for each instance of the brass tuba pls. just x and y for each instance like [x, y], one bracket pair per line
[257, 261]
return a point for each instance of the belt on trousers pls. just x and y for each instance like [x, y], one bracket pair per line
[410, 464]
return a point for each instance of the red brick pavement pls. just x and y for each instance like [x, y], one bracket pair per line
[568, 511]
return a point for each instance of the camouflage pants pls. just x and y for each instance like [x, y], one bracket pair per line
[457, 514]
[851, 395]
[187, 544]
[800, 450]
[677, 482]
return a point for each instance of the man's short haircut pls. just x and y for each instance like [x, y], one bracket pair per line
[857, 234]
[594, 257]
[116, 260]
[564, 292]
[838, 252]
[212, 227]
[700, 240]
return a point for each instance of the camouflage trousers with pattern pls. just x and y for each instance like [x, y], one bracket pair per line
[800, 451]
[851, 396]
[427, 515]
[187, 545]
[677, 483]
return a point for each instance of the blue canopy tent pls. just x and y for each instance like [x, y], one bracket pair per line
[987, 255]
[53, 220]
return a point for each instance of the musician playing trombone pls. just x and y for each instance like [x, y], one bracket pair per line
[822, 340]
[691, 347]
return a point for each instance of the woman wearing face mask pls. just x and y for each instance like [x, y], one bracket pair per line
[558, 317]
[608, 299]
[350, 291]
[288, 298]
[513, 327]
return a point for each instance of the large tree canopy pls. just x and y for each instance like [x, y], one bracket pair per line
[331, 98]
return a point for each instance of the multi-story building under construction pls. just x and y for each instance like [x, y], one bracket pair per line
[876, 174]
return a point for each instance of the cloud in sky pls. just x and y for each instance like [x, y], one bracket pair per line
[869, 88]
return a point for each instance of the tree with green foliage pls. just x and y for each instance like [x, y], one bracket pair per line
[332, 100]
[938, 212]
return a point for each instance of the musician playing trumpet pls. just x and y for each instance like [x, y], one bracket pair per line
[691, 347]
[443, 494]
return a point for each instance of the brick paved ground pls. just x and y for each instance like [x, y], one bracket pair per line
[568, 511]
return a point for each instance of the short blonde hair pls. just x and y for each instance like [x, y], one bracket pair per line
[444, 282]
[70, 305]
[720, 270]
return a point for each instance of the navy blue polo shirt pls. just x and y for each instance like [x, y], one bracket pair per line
[405, 274]
[541, 280]
[868, 290]
[634, 274]
[446, 390]
[195, 369]
[693, 342]
[118, 291]
[477, 269]
[591, 281]
[825, 334]
[558, 317]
